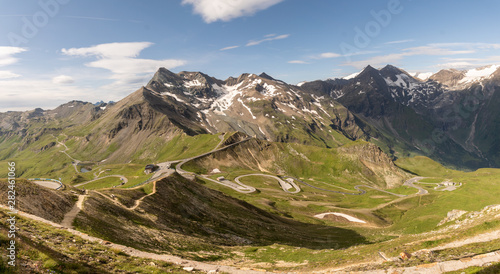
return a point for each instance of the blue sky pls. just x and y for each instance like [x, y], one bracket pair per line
[54, 51]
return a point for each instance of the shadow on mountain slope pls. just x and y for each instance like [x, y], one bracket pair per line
[185, 215]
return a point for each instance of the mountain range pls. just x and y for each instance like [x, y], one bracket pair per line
[451, 117]
[327, 173]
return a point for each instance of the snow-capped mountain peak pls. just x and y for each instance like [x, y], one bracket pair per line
[350, 76]
[478, 74]
[422, 75]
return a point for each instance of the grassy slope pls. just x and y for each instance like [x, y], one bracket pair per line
[418, 214]
[199, 218]
[42, 248]
[320, 167]
[52, 163]
[412, 215]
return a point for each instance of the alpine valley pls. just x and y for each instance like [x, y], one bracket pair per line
[379, 171]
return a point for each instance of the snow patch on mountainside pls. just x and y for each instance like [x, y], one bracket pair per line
[422, 75]
[322, 109]
[249, 110]
[173, 95]
[336, 94]
[260, 129]
[296, 94]
[223, 103]
[350, 76]
[270, 90]
[402, 81]
[478, 74]
[193, 83]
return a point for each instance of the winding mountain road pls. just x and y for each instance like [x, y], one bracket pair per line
[238, 186]
[179, 169]
[358, 188]
[411, 183]
[123, 178]
[286, 186]
[74, 162]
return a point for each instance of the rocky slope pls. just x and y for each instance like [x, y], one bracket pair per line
[448, 117]
[258, 106]
[39, 201]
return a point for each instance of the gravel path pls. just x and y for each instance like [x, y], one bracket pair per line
[139, 201]
[440, 267]
[71, 215]
[141, 254]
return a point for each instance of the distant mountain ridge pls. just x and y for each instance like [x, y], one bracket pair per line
[451, 117]
[437, 117]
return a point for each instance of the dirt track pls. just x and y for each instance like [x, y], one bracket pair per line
[71, 215]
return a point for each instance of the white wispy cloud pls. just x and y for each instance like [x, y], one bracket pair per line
[467, 45]
[394, 57]
[127, 73]
[7, 58]
[121, 59]
[7, 55]
[228, 48]
[91, 18]
[110, 50]
[376, 60]
[133, 65]
[63, 80]
[456, 65]
[327, 55]
[434, 50]
[269, 38]
[25, 94]
[467, 63]
[399, 41]
[226, 10]
[8, 74]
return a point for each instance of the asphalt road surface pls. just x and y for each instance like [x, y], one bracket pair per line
[411, 183]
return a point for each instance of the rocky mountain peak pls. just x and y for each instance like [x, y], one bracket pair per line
[448, 77]
[266, 76]
[368, 72]
[164, 75]
[391, 69]
[392, 72]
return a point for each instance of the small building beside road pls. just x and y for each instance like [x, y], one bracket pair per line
[150, 168]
